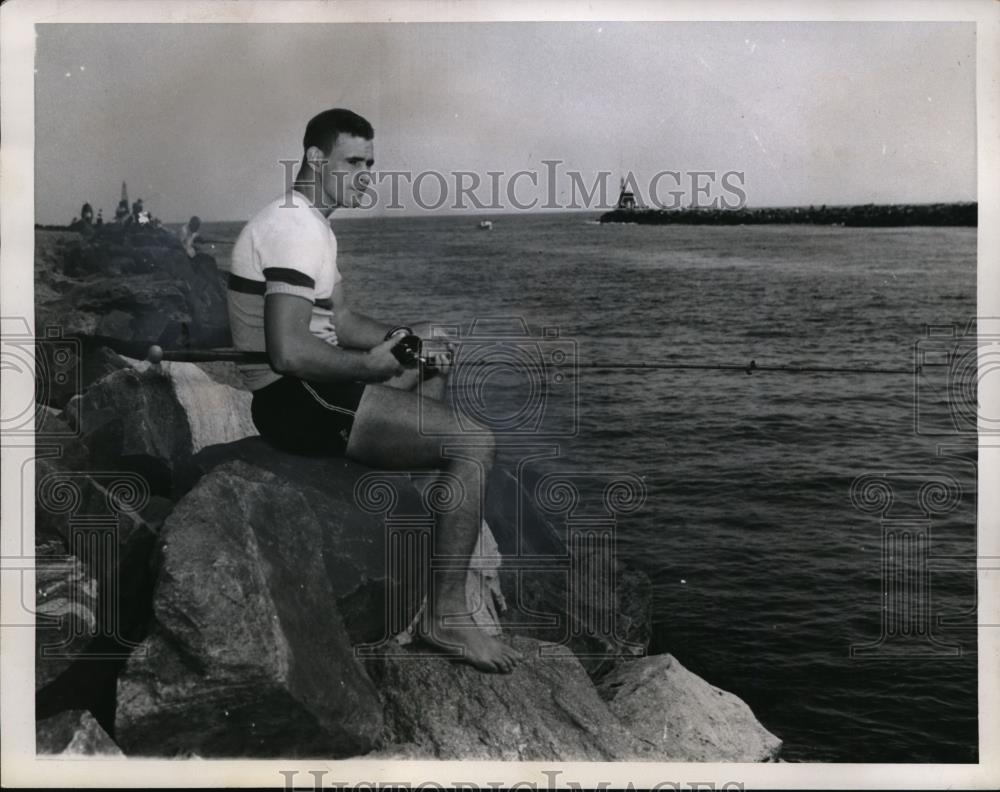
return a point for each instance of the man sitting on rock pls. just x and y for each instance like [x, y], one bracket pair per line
[189, 235]
[332, 384]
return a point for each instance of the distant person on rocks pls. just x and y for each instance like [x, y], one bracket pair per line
[332, 385]
[87, 214]
[100, 218]
[189, 235]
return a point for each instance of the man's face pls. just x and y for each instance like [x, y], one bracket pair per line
[346, 173]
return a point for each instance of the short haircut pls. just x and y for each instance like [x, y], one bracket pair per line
[323, 129]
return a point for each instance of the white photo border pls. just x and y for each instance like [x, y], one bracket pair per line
[22, 768]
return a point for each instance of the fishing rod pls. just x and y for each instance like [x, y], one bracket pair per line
[156, 354]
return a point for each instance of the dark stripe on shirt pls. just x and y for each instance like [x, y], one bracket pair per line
[326, 304]
[245, 285]
[289, 276]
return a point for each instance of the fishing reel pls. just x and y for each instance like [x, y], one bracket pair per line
[409, 352]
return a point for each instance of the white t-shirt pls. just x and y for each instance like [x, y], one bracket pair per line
[287, 248]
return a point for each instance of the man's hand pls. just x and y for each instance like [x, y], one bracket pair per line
[440, 353]
[382, 364]
[437, 347]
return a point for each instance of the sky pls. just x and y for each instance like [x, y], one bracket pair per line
[197, 118]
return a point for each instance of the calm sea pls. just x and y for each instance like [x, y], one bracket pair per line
[765, 573]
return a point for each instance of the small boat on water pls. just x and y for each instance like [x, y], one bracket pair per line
[485, 225]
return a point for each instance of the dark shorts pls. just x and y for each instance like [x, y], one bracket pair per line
[309, 418]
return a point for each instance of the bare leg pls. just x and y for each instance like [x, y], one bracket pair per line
[387, 434]
[433, 388]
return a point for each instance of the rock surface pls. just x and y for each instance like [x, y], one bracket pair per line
[248, 656]
[152, 419]
[684, 718]
[95, 531]
[604, 622]
[133, 421]
[216, 411]
[66, 368]
[547, 709]
[135, 287]
[73, 733]
[66, 608]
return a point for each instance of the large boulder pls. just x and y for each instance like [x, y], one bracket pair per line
[248, 655]
[152, 419]
[215, 404]
[546, 710]
[683, 717]
[73, 733]
[133, 421]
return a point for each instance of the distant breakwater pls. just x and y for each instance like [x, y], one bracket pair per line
[941, 214]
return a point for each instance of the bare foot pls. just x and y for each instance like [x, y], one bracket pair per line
[471, 645]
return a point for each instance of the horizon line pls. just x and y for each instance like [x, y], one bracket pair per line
[362, 214]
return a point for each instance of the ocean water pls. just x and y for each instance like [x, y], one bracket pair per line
[765, 573]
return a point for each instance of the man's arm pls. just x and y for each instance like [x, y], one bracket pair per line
[357, 330]
[293, 350]
[354, 329]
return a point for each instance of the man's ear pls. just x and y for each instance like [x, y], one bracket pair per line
[315, 157]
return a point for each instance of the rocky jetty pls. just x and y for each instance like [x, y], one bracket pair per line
[873, 215]
[210, 596]
[123, 289]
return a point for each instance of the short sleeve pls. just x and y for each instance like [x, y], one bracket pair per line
[291, 256]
